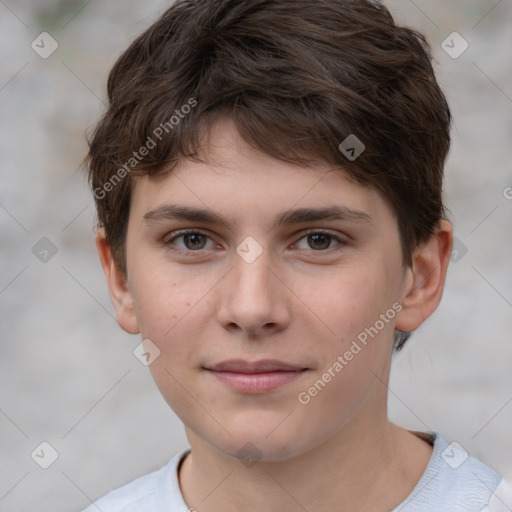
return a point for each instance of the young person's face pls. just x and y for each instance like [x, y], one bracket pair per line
[211, 297]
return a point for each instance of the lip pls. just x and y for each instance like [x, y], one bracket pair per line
[257, 376]
[261, 366]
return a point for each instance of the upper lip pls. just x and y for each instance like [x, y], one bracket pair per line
[262, 366]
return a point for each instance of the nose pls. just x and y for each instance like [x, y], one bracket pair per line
[253, 298]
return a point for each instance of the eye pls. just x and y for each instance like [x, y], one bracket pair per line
[320, 241]
[192, 241]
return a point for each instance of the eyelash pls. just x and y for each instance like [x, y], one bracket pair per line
[168, 243]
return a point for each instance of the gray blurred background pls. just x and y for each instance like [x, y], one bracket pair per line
[68, 375]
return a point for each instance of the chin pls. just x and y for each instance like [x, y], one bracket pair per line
[254, 444]
[251, 451]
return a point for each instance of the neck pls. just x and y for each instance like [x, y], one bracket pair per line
[369, 465]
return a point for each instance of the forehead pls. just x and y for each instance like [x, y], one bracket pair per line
[239, 181]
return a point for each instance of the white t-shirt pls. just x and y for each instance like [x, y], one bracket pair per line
[452, 482]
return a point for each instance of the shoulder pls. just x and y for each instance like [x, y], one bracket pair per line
[501, 500]
[140, 495]
[462, 474]
[453, 480]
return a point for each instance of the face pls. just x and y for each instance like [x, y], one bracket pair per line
[246, 259]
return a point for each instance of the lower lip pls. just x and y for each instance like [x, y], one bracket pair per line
[256, 382]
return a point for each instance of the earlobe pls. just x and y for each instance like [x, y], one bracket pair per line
[120, 293]
[425, 279]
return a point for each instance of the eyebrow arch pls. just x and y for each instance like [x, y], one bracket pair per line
[173, 212]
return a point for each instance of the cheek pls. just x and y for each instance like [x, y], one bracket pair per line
[359, 343]
[167, 308]
[355, 360]
[350, 301]
[165, 303]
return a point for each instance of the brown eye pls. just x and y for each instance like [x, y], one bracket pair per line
[194, 241]
[187, 241]
[319, 241]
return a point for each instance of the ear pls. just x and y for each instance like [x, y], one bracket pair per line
[118, 287]
[425, 278]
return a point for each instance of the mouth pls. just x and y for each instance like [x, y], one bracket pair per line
[255, 377]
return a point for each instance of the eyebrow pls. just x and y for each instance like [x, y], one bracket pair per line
[174, 212]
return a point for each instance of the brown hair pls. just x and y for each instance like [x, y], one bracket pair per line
[297, 77]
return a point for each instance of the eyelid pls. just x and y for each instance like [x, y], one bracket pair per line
[167, 240]
[180, 232]
[308, 231]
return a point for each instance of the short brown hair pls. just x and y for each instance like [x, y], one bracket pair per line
[297, 77]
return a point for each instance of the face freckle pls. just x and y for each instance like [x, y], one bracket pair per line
[301, 306]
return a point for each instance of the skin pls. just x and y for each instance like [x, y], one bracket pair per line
[302, 301]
